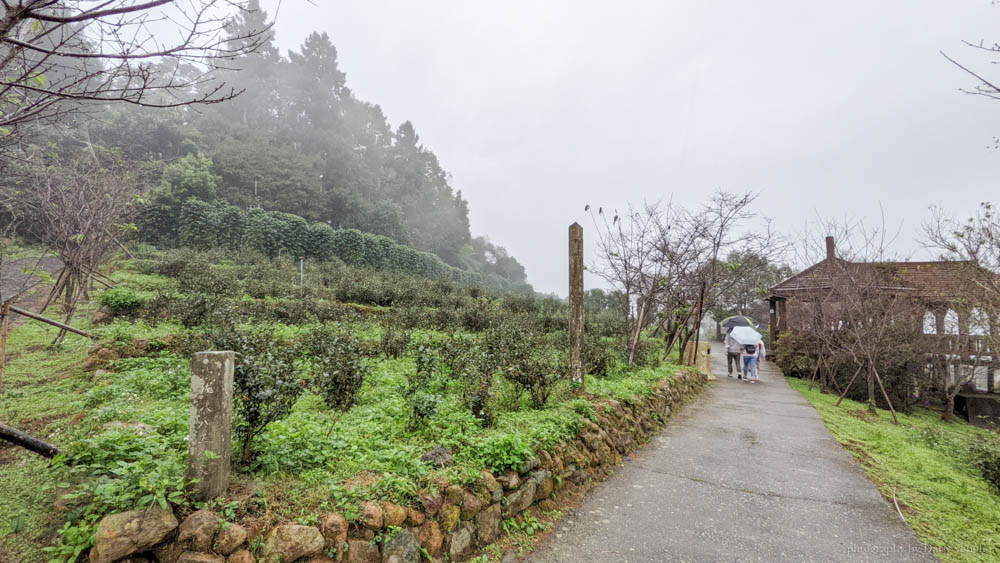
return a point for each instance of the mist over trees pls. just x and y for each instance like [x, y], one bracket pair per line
[298, 141]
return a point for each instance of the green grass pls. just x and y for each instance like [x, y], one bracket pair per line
[314, 459]
[43, 389]
[925, 462]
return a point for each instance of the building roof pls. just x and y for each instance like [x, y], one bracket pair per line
[937, 281]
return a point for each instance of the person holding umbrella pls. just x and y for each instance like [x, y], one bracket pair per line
[734, 350]
[753, 350]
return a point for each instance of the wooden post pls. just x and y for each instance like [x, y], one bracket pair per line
[209, 445]
[576, 303]
[782, 315]
[57, 324]
[772, 322]
[4, 316]
[18, 438]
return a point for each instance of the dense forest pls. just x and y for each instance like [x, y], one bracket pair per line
[296, 148]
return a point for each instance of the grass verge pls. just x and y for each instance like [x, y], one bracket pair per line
[926, 464]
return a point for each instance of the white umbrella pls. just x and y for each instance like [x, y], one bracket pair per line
[745, 335]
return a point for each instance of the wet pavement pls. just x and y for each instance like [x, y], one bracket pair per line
[746, 473]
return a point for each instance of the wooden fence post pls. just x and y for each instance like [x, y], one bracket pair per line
[576, 303]
[209, 446]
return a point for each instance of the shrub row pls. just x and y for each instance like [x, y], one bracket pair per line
[204, 226]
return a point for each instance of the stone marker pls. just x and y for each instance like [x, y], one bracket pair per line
[575, 302]
[211, 418]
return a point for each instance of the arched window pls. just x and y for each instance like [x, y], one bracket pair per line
[951, 322]
[979, 322]
[930, 323]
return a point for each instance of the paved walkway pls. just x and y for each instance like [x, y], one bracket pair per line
[747, 473]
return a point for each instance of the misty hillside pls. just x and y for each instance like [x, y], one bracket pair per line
[296, 141]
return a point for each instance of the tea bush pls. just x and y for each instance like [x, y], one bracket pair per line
[266, 383]
[123, 301]
[393, 342]
[338, 364]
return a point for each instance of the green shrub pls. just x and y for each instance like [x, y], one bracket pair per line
[599, 355]
[338, 364]
[394, 342]
[503, 451]
[115, 471]
[985, 455]
[122, 301]
[266, 384]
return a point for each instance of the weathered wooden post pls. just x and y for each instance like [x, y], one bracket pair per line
[576, 302]
[209, 448]
[4, 319]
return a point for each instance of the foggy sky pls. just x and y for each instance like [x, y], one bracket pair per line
[538, 108]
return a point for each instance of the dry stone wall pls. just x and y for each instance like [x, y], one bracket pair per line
[454, 525]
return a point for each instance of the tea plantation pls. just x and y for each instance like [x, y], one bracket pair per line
[350, 384]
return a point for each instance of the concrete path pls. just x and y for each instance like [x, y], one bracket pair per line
[747, 473]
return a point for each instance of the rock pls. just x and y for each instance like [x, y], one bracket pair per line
[393, 515]
[403, 547]
[454, 494]
[333, 526]
[198, 557]
[510, 480]
[520, 499]
[101, 317]
[488, 524]
[471, 505]
[371, 515]
[241, 556]
[438, 456]
[120, 535]
[106, 355]
[461, 543]
[414, 517]
[450, 515]
[509, 557]
[529, 465]
[491, 485]
[228, 538]
[430, 538]
[198, 530]
[543, 484]
[167, 552]
[289, 542]
[321, 559]
[361, 551]
[360, 532]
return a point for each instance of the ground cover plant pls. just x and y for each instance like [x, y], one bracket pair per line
[943, 474]
[346, 380]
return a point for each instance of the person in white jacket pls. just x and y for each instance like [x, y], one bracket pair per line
[752, 354]
[733, 351]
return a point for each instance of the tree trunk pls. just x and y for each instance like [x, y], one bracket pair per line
[949, 408]
[638, 333]
[871, 390]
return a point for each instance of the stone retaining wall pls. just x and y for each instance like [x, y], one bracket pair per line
[453, 525]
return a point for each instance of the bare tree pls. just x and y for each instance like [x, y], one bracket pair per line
[861, 312]
[82, 211]
[626, 247]
[62, 56]
[666, 260]
[971, 337]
